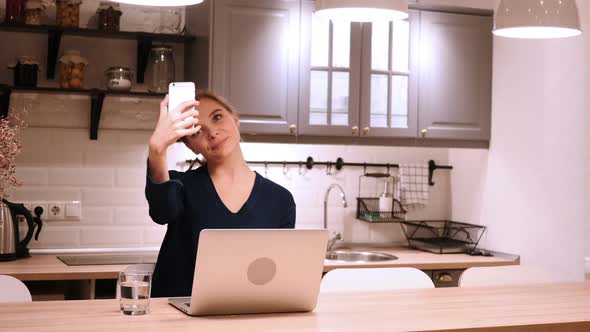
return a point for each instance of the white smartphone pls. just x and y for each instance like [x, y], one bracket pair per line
[179, 92]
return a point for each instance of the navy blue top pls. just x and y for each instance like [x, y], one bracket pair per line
[189, 203]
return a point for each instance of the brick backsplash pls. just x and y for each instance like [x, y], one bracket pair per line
[110, 185]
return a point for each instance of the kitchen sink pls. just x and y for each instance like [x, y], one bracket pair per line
[358, 256]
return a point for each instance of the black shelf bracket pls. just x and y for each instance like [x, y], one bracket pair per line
[96, 101]
[53, 43]
[5, 92]
[144, 45]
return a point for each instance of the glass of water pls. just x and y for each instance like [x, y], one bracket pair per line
[134, 290]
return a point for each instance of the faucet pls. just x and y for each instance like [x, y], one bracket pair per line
[337, 236]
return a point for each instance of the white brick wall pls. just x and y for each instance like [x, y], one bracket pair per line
[109, 182]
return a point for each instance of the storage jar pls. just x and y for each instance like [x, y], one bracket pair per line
[119, 78]
[33, 11]
[68, 13]
[71, 70]
[109, 16]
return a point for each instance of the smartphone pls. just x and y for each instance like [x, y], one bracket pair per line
[179, 92]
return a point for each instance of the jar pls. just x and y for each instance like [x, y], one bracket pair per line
[109, 16]
[25, 71]
[160, 69]
[118, 78]
[71, 70]
[14, 11]
[33, 12]
[68, 13]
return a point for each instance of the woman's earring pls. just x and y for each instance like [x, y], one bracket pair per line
[285, 168]
[265, 169]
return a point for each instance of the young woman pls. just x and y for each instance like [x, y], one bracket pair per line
[223, 193]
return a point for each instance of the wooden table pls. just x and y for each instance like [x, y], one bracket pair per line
[539, 308]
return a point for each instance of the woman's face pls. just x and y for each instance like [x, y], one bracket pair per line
[219, 134]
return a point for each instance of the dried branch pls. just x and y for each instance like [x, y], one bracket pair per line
[10, 147]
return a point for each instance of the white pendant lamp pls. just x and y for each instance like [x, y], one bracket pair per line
[362, 10]
[167, 3]
[537, 19]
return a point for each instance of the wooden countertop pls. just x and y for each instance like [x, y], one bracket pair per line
[539, 308]
[48, 267]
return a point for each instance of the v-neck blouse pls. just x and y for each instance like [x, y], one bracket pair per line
[189, 203]
[248, 204]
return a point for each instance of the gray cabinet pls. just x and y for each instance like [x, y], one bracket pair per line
[390, 73]
[455, 76]
[254, 61]
[329, 76]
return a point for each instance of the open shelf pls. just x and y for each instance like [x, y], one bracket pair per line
[55, 33]
[97, 97]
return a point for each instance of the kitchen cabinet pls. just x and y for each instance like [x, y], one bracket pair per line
[428, 76]
[455, 76]
[329, 76]
[254, 62]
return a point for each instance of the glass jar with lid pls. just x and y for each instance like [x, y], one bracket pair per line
[14, 11]
[109, 16]
[33, 11]
[71, 70]
[160, 69]
[68, 13]
[25, 71]
[119, 78]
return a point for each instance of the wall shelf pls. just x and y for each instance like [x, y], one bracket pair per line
[97, 97]
[54, 34]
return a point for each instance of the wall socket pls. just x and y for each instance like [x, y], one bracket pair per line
[57, 210]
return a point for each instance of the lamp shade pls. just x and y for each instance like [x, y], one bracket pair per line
[362, 10]
[167, 3]
[537, 19]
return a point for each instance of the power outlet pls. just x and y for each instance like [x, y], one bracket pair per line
[56, 211]
[42, 205]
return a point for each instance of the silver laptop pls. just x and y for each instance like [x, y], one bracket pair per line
[248, 271]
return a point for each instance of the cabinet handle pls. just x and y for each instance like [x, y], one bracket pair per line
[366, 131]
[424, 132]
[293, 129]
[444, 277]
[355, 131]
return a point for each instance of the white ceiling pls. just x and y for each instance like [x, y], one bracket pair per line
[479, 4]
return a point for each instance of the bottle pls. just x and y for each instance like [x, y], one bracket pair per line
[386, 202]
[587, 268]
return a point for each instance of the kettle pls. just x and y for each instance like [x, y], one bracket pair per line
[10, 247]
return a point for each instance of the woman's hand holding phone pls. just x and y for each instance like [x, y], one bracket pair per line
[174, 124]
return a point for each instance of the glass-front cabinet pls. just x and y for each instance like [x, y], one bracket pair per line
[389, 78]
[356, 78]
[329, 76]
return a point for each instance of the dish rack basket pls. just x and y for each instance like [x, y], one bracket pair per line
[367, 208]
[442, 236]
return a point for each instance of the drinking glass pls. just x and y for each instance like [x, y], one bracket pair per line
[134, 290]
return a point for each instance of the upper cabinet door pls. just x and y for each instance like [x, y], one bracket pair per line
[455, 76]
[389, 71]
[329, 75]
[255, 55]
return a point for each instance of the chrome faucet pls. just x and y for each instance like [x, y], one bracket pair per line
[337, 236]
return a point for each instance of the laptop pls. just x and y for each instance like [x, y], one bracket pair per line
[253, 271]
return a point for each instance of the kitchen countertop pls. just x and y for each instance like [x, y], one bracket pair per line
[539, 308]
[49, 267]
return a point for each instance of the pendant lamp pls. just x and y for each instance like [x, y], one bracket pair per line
[167, 3]
[362, 10]
[537, 19]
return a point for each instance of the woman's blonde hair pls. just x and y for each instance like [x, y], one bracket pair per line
[208, 94]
